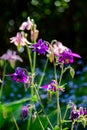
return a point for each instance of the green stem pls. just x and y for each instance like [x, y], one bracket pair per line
[57, 96]
[29, 56]
[2, 85]
[59, 117]
[15, 122]
[39, 120]
[55, 72]
[58, 109]
[72, 126]
[41, 79]
[30, 115]
[34, 62]
[41, 123]
[65, 113]
[61, 75]
[39, 99]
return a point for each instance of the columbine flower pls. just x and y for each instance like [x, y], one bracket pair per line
[74, 113]
[77, 113]
[61, 53]
[55, 49]
[67, 57]
[11, 57]
[19, 39]
[41, 47]
[25, 110]
[52, 86]
[26, 25]
[20, 76]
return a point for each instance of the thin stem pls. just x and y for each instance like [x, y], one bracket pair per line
[29, 120]
[60, 79]
[72, 126]
[2, 85]
[29, 56]
[39, 120]
[15, 122]
[43, 107]
[57, 96]
[61, 75]
[65, 113]
[58, 109]
[55, 73]
[34, 62]
[59, 117]
[41, 79]
[41, 123]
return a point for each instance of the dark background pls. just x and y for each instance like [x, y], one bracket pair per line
[64, 20]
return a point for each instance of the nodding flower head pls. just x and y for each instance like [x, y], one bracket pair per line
[74, 113]
[67, 57]
[20, 76]
[26, 25]
[41, 47]
[25, 110]
[53, 86]
[77, 113]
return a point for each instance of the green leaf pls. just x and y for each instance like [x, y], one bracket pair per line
[2, 120]
[17, 102]
[56, 127]
[65, 128]
[36, 124]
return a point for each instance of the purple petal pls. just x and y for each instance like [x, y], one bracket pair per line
[45, 86]
[76, 55]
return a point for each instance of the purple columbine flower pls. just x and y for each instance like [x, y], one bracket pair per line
[74, 113]
[77, 113]
[25, 110]
[20, 76]
[67, 57]
[52, 86]
[41, 47]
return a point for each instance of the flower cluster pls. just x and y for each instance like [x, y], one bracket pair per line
[77, 113]
[55, 49]
[58, 54]
[20, 39]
